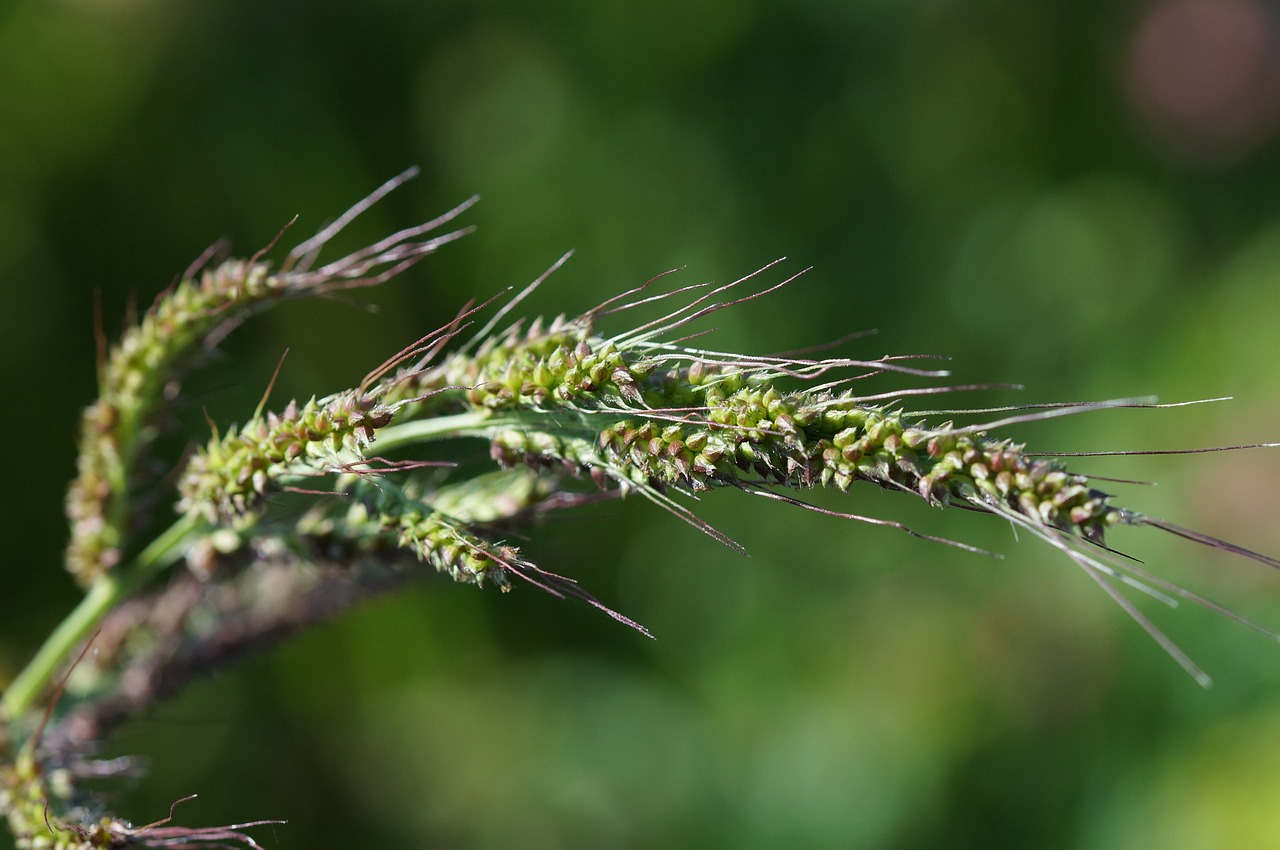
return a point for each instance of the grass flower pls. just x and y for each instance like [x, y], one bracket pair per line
[296, 514]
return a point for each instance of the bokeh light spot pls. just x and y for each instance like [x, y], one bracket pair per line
[1204, 77]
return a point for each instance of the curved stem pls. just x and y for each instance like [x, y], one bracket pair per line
[103, 595]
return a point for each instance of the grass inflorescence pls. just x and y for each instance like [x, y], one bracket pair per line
[297, 513]
[192, 316]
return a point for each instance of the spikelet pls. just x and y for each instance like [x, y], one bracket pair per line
[197, 312]
[230, 478]
[637, 414]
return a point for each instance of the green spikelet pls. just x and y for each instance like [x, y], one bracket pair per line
[153, 355]
[233, 474]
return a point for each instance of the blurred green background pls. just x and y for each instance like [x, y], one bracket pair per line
[1079, 197]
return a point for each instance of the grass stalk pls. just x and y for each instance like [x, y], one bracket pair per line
[102, 596]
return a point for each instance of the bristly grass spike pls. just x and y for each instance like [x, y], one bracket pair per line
[563, 406]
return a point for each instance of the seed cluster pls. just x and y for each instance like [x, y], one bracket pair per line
[451, 550]
[695, 427]
[557, 366]
[115, 429]
[838, 447]
[733, 425]
[143, 370]
[230, 478]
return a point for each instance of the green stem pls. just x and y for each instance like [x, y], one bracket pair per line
[474, 424]
[482, 423]
[103, 595]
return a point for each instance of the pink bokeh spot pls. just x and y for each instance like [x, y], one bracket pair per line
[1203, 77]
